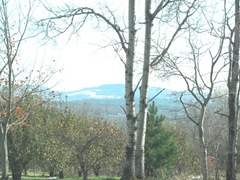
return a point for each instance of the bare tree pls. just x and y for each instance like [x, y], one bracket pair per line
[150, 16]
[9, 56]
[233, 95]
[15, 84]
[128, 46]
[69, 15]
[200, 84]
[216, 136]
[129, 95]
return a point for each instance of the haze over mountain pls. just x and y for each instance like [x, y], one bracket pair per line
[110, 98]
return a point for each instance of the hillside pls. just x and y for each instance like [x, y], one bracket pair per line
[110, 97]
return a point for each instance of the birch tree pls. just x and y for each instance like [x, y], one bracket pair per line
[142, 116]
[127, 46]
[68, 15]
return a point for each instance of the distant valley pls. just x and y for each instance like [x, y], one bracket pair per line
[110, 97]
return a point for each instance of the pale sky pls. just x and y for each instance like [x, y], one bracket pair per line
[85, 65]
[83, 60]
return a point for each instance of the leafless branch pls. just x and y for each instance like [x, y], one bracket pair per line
[160, 57]
[186, 111]
[221, 114]
[151, 99]
[86, 12]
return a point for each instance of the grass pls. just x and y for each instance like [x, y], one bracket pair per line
[104, 178]
[70, 178]
[93, 178]
[40, 176]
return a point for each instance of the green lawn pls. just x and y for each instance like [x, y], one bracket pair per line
[40, 176]
[70, 178]
[94, 178]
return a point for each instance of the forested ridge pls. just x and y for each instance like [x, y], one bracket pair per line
[110, 97]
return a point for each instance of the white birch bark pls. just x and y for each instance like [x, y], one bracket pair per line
[142, 116]
[128, 171]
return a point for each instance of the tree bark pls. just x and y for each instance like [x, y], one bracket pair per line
[61, 174]
[16, 173]
[142, 117]
[233, 87]
[4, 154]
[79, 173]
[203, 143]
[85, 175]
[25, 171]
[83, 168]
[51, 171]
[128, 171]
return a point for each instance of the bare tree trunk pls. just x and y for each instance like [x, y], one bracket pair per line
[4, 155]
[142, 117]
[17, 172]
[5, 119]
[61, 174]
[85, 175]
[233, 83]
[129, 96]
[204, 158]
[216, 161]
[203, 143]
[232, 139]
[232, 143]
[51, 171]
[84, 171]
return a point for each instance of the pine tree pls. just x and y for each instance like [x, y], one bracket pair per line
[161, 150]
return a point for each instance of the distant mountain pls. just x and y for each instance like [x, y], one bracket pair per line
[112, 91]
[110, 97]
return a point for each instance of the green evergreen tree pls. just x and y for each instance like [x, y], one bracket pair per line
[161, 150]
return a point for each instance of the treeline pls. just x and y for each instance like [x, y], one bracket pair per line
[63, 140]
[53, 139]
